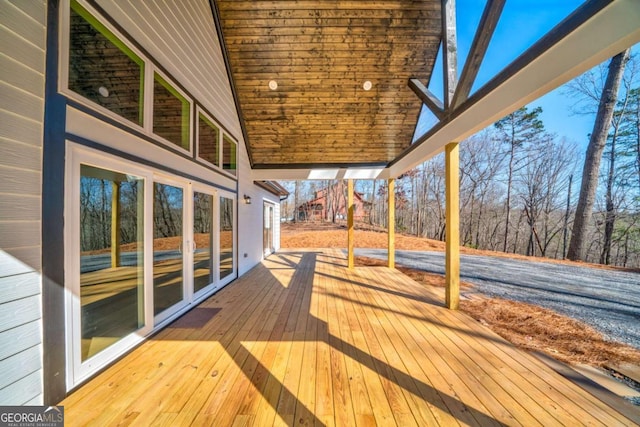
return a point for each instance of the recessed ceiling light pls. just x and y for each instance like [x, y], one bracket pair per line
[273, 85]
[367, 85]
[103, 91]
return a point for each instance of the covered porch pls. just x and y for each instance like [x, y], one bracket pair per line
[302, 339]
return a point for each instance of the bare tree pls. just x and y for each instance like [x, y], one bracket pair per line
[517, 129]
[594, 155]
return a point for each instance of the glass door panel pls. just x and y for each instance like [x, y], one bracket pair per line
[168, 241]
[203, 263]
[226, 237]
[111, 258]
[267, 230]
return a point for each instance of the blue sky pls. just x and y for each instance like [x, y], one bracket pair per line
[522, 23]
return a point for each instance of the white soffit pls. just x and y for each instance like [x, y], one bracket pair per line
[367, 173]
[613, 29]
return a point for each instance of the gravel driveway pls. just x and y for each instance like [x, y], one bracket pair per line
[605, 299]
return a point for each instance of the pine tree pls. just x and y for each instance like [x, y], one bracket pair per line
[518, 130]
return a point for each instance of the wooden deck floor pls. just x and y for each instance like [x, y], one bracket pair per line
[301, 340]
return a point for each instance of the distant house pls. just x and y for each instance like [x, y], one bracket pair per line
[330, 203]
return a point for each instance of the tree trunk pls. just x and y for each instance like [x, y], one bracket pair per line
[594, 155]
[610, 217]
[566, 219]
[296, 199]
[508, 201]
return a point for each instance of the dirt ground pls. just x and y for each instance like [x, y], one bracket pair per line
[305, 235]
[525, 325]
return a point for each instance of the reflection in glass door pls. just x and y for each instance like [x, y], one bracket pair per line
[226, 237]
[203, 263]
[267, 230]
[111, 258]
[168, 246]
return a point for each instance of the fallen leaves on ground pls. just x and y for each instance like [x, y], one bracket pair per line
[329, 235]
[539, 329]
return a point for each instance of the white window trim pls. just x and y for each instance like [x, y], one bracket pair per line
[233, 140]
[63, 71]
[78, 371]
[199, 111]
[149, 69]
[149, 105]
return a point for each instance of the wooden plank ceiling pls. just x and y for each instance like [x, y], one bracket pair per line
[321, 53]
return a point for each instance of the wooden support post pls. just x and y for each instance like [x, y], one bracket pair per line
[115, 224]
[350, 242]
[391, 227]
[452, 255]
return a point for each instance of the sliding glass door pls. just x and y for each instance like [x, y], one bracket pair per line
[226, 236]
[140, 248]
[169, 248]
[111, 257]
[107, 298]
[204, 237]
[267, 229]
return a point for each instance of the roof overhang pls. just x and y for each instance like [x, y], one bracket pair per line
[274, 188]
[596, 31]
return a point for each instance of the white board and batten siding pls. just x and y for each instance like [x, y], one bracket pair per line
[22, 65]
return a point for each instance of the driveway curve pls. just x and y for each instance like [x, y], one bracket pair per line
[608, 300]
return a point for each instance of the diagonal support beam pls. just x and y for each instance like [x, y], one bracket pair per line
[486, 27]
[594, 32]
[449, 51]
[428, 98]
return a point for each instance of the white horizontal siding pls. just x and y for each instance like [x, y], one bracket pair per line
[29, 255]
[181, 36]
[27, 334]
[17, 234]
[20, 286]
[14, 367]
[18, 312]
[20, 129]
[19, 181]
[27, 389]
[14, 153]
[20, 76]
[22, 61]
[20, 208]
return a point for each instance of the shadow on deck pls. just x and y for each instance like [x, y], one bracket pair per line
[302, 340]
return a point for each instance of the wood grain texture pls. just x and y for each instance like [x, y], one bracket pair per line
[452, 258]
[320, 54]
[301, 339]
